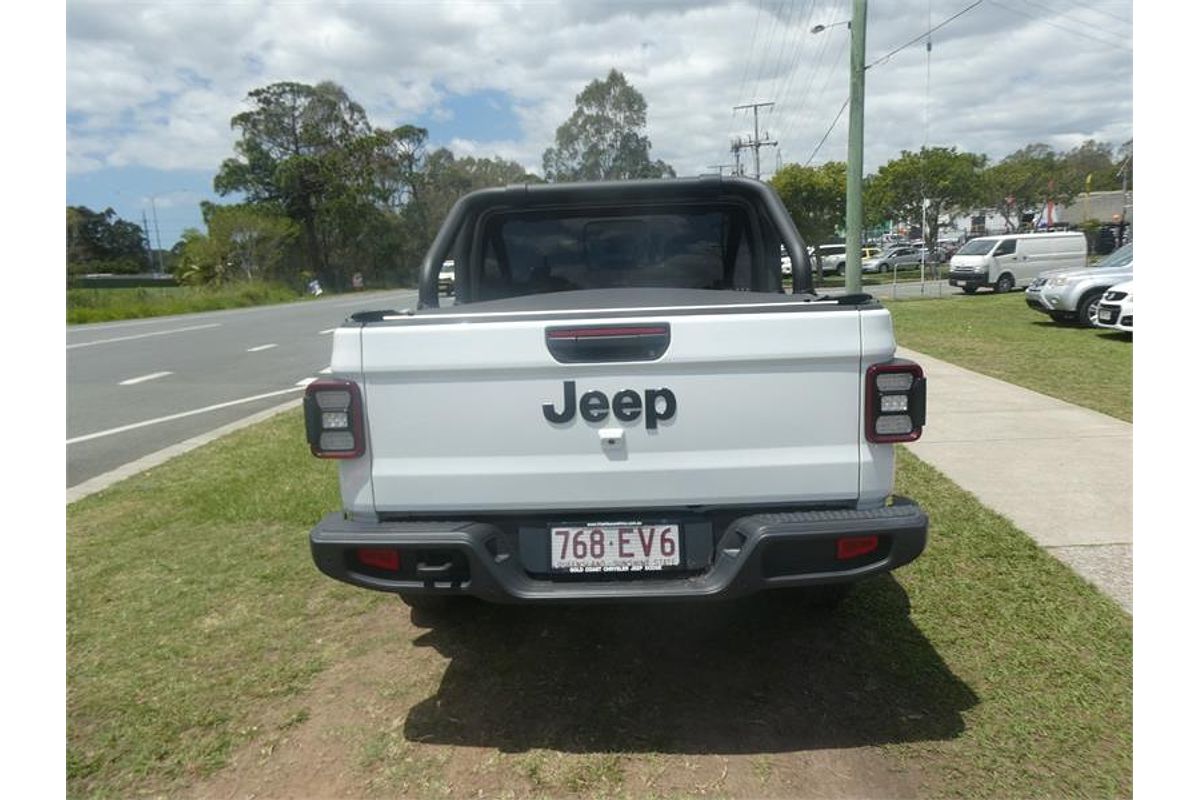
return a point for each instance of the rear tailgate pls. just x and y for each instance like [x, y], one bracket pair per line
[767, 410]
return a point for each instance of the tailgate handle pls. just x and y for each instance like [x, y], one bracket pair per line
[574, 344]
[434, 569]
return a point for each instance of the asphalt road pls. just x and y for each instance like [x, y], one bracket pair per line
[136, 387]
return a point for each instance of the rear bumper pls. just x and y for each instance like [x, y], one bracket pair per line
[750, 554]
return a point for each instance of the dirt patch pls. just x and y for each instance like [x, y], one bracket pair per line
[741, 700]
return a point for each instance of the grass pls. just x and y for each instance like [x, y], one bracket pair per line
[998, 335]
[106, 305]
[197, 626]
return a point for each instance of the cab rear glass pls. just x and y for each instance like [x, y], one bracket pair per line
[690, 247]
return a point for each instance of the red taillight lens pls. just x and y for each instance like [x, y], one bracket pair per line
[855, 546]
[333, 419]
[379, 558]
[895, 402]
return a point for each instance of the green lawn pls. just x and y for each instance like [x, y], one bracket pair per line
[998, 335]
[105, 305]
[197, 627]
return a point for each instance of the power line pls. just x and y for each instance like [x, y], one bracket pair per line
[841, 111]
[1062, 27]
[925, 35]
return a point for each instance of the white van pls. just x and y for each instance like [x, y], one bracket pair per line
[1005, 262]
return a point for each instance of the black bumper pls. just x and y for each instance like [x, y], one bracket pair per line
[968, 279]
[501, 564]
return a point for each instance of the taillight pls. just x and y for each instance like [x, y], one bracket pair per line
[895, 402]
[333, 419]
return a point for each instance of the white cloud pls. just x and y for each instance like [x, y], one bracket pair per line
[156, 85]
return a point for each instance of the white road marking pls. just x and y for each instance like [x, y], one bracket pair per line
[112, 431]
[305, 381]
[93, 485]
[326, 371]
[143, 378]
[327, 330]
[144, 335]
[261, 347]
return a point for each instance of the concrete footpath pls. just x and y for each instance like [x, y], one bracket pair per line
[1059, 472]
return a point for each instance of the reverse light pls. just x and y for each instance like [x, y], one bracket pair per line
[333, 419]
[895, 402]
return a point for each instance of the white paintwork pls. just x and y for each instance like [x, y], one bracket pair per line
[144, 335]
[1124, 306]
[1035, 253]
[769, 411]
[157, 420]
[143, 378]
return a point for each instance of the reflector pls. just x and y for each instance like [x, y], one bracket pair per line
[854, 546]
[379, 558]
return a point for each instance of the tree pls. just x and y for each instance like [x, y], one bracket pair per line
[100, 241]
[293, 152]
[815, 197]
[243, 241]
[936, 180]
[603, 139]
[1024, 181]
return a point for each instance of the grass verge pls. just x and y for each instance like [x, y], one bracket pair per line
[106, 305]
[998, 335]
[197, 628]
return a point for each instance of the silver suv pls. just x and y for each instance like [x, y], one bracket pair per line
[899, 257]
[1074, 295]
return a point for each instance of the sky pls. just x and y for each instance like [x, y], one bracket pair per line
[151, 86]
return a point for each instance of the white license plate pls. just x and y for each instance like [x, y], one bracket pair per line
[1106, 315]
[622, 547]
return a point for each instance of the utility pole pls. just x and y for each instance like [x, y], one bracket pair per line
[157, 240]
[1124, 173]
[854, 154]
[146, 234]
[756, 142]
[736, 149]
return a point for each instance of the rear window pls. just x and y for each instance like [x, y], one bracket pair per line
[552, 251]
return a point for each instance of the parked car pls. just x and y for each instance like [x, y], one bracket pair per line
[1004, 263]
[785, 261]
[1116, 308]
[1074, 295]
[898, 257]
[446, 277]
[834, 257]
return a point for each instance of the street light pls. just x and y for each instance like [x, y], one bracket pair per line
[819, 28]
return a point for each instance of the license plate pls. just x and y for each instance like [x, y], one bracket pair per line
[1106, 316]
[619, 547]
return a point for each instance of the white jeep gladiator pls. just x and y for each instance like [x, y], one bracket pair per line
[618, 403]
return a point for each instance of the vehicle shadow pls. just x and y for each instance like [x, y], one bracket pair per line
[1117, 336]
[759, 675]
